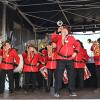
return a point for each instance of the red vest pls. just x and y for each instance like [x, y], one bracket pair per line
[68, 48]
[8, 61]
[79, 59]
[96, 51]
[51, 63]
[43, 61]
[30, 65]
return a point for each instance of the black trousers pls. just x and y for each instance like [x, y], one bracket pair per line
[39, 80]
[16, 80]
[0, 82]
[10, 80]
[50, 77]
[30, 80]
[98, 75]
[79, 76]
[61, 65]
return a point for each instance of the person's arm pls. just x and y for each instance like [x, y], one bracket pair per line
[16, 57]
[77, 47]
[54, 37]
[86, 56]
[1, 52]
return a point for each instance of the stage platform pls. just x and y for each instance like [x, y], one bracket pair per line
[87, 93]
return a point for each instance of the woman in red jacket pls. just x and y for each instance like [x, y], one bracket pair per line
[9, 57]
[51, 63]
[30, 69]
[96, 51]
[79, 65]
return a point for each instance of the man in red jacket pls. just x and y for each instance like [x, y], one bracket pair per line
[65, 54]
[96, 51]
[79, 65]
[9, 56]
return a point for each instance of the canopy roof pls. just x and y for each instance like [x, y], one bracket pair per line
[80, 15]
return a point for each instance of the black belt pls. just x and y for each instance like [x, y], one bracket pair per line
[79, 61]
[7, 62]
[51, 60]
[30, 65]
[64, 56]
[96, 59]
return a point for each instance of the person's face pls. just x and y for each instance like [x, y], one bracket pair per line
[7, 46]
[30, 49]
[60, 29]
[64, 31]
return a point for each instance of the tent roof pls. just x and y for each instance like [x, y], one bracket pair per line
[80, 15]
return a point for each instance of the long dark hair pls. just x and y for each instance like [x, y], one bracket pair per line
[98, 40]
[81, 44]
[67, 27]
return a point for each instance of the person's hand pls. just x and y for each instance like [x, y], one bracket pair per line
[42, 63]
[59, 29]
[38, 64]
[74, 55]
[84, 60]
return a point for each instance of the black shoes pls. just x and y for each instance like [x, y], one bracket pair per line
[47, 89]
[1, 92]
[11, 91]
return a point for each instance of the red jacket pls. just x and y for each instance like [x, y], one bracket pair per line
[51, 63]
[96, 51]
[30, 66]
[8, 61]
[68, 48]
[0, 61]
[43, 61]
[81, 59]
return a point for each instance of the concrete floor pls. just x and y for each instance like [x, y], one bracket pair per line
[41, 94]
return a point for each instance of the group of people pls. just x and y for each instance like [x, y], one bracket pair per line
[63, 54]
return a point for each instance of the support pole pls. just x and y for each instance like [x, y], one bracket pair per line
[35, 35]
[4, 22]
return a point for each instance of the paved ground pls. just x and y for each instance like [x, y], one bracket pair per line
[41, 94]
